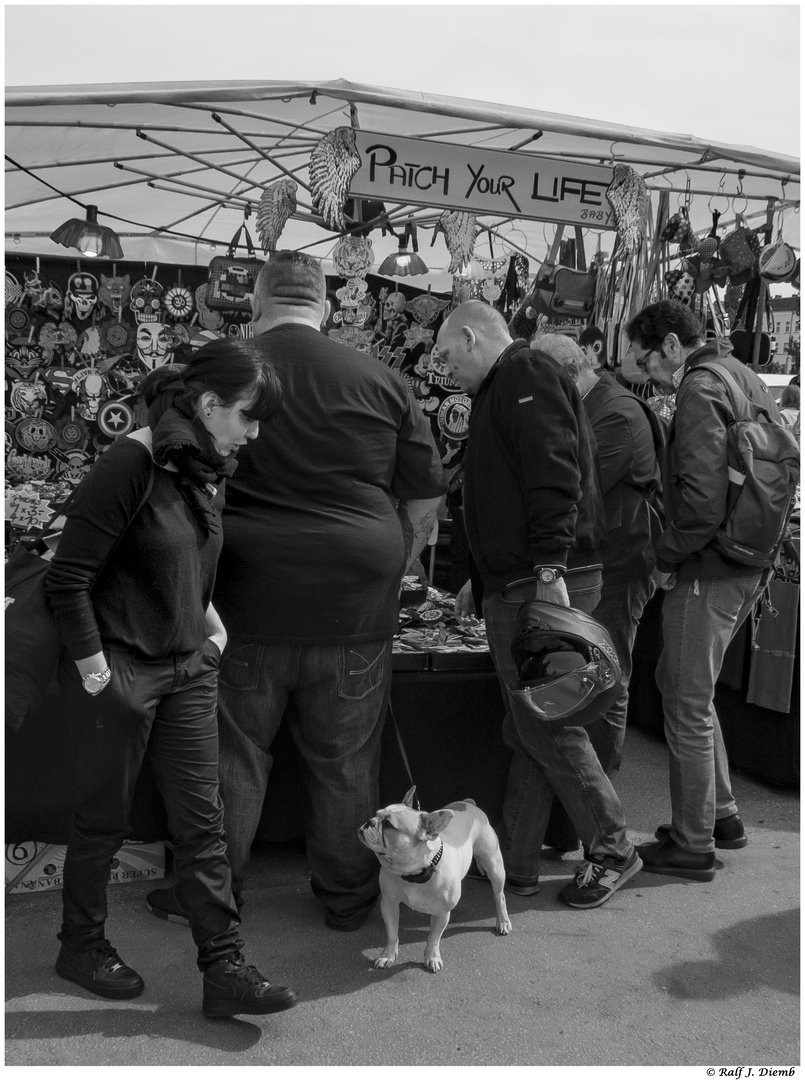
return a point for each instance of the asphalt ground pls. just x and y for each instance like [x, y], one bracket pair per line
[668, 973]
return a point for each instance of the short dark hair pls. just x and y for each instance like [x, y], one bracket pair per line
[292, 278]
[651, 326]
[233, 369]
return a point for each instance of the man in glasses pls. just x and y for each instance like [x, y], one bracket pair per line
[535, 525]
[708, 596]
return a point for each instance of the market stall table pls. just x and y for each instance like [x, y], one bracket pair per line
[450, 723]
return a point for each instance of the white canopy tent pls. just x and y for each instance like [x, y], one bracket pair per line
[174, 167]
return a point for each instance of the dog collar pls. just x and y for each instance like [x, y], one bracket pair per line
[427, 873]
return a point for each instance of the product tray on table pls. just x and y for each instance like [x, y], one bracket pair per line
[432, 636]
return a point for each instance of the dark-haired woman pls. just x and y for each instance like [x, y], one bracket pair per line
[130, 591]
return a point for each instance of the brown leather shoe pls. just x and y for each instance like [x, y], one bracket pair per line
[666, 857]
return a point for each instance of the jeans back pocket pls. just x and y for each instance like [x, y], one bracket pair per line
[363, 667]
[240, 667]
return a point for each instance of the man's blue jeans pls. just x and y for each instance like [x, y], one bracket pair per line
[549, 757]
[335, 699]
[699, 619]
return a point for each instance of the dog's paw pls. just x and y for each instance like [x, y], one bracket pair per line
[434, 964]
[384, 961]
[503, 927]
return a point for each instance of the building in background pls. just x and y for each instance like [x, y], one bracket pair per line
[786, 332]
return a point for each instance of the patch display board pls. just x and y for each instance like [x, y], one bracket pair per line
[80, 336]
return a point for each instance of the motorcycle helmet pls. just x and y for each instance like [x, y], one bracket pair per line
[567, 667]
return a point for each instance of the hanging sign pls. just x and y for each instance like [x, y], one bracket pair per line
[428, 173]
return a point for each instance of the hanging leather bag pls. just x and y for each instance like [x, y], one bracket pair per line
[230, 281]
[560, 291]
[743, 336]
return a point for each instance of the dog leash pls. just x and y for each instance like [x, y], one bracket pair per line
[403, 754]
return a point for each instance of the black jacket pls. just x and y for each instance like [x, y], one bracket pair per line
[695, 471]
[627, 434]
[531, 493]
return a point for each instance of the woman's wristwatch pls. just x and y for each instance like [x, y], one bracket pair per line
[95, 681]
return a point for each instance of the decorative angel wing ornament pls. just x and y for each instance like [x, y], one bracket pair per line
[629, 198]
[460, 229]
[277, 204]
[333, 162]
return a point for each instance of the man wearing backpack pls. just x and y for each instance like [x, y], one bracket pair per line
[708, 595]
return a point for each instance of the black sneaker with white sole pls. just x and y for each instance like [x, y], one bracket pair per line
[598, 878]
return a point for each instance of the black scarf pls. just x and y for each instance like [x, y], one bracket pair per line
[182, 440]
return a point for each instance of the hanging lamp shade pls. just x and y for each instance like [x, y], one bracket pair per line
[91, 238]
[404, 263]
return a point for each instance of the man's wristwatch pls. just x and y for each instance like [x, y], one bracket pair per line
[95, 681]
[546, 575]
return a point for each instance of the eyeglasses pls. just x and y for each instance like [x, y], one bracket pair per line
[642, 361]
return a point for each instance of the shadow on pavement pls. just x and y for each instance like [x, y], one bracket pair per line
[756, 953]
[232, 1034]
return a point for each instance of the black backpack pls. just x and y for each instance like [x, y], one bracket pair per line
[763, 467]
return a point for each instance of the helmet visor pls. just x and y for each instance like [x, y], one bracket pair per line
[565, 694]
[542, 657]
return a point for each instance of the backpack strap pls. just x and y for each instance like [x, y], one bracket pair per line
[739, 399]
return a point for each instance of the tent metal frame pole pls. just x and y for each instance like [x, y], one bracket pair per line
[107, 161]
[267, 119]
[173, 177]
[403, 212]
[266, 157]
[714, 194]
[154, 179]
[200, 161]
[168, 129]
[213, 204]
[108, 187]
[458, 131]
[628, 159]
[71, 195]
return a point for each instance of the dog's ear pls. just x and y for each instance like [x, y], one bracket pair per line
[409, 797]
[430, 825]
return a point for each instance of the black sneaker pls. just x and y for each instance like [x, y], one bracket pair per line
[598, 878]
[728, 833]
[166, 904]
[231, 986]
[99, 970]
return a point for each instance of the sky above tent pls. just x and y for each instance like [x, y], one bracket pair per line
[727, 72]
